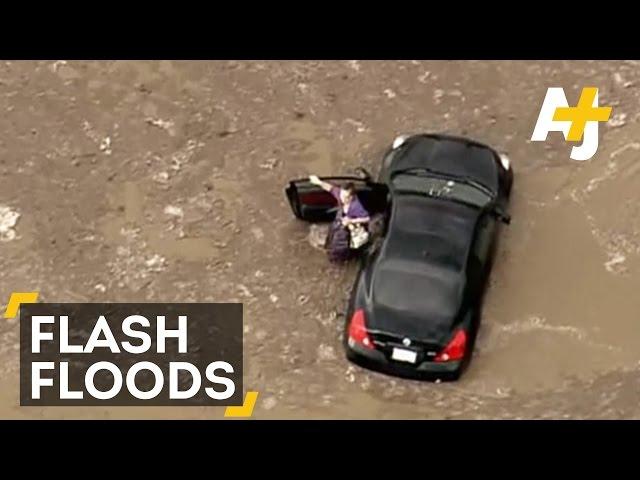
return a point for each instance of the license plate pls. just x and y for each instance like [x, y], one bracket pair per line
[403, 355]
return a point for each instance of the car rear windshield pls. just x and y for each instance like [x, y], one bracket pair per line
[438, 187]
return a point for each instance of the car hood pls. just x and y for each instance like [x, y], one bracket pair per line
[448, 155]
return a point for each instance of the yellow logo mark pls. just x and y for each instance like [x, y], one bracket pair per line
[582, 113]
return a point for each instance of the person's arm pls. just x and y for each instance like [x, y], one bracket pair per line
[324, 185]
[359, 220]
[359, 215]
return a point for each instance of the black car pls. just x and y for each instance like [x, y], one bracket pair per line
[415, 307]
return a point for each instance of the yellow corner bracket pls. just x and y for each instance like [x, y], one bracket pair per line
[245, 410]
[16, 299]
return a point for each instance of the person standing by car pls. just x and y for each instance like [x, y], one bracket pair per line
[348, 232]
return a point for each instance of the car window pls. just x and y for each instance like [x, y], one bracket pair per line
[441, 188]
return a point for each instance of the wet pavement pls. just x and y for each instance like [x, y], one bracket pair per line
[163, 181]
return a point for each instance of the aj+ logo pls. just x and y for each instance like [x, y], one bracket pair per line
[575, 123]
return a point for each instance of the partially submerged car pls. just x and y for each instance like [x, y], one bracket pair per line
[415, 306]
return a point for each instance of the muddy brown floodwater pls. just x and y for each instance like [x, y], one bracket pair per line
[163, 181]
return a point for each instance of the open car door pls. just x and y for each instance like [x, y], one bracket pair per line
[311, 203]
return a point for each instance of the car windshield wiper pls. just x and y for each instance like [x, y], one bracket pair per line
[459, 178]
[478, 185]
[415, 171]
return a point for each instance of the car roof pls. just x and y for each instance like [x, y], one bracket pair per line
[431, 230]
[448, 155]
[421, 270]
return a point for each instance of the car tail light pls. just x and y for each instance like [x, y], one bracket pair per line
[454, 349]
[358, 330]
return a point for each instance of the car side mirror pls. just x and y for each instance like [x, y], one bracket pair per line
[363, 173]
[501, 215]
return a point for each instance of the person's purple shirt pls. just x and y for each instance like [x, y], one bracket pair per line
[356, 210]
